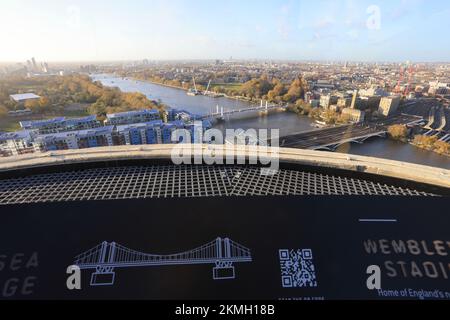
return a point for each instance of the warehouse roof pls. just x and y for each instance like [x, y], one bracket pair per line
[23, 97]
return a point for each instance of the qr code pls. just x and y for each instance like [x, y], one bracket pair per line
[297, 268]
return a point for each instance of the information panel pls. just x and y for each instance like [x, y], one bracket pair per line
[288, 248]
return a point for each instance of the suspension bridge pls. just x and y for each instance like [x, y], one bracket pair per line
[106, 257]
[222, 113]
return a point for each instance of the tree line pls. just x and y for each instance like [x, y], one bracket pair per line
[401, 133]
[273, 90]
[56, 92]
[432, 143]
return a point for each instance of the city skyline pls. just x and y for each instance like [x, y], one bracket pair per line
[279, 30]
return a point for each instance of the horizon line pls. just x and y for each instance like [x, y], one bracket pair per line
[228, 60]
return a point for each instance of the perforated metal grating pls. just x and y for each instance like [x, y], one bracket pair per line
[168, 181]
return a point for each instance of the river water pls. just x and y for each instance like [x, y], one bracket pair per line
[286, 122]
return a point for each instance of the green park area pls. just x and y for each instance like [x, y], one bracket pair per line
[69, 96]
[236, 86]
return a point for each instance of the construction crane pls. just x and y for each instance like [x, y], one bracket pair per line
[193, 92]
[195, 86]
[207, 88]
[398, 88]
[411, 72]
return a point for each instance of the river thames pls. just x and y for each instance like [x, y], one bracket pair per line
[286, 122]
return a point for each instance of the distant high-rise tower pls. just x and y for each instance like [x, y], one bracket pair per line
[34, 63]
[44, 67]
[355, 95]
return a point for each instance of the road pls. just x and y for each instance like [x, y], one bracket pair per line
[335, 135]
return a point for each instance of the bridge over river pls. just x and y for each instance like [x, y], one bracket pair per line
[332, 138]
[222, 113]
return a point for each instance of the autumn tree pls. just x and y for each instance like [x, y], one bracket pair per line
[442, 147]
[32, 104]
[432, 143]
[344, 118]
[296, 90]
[398, 132]
[300, 107]
[44, 102]
[315, 113]
[277, 92]
[425, 141]
[256, 88]
[330, 116]
[3, 111]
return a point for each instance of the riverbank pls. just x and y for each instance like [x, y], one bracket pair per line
[161, 84]
[430, 149]
[430, 144]
[286, 122]
[396, 150]
[223, 95]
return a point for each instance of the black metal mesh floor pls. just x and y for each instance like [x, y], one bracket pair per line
[170, 181]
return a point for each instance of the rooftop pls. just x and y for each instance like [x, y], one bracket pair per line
[23, 96]
[82, 119]
[99, 130]
[336, 163]
[132, 113]
[138, 172]
[33, 124]
[22, 134]
[139, 125]
[79, 133]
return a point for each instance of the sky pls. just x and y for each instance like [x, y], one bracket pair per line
[342, 30]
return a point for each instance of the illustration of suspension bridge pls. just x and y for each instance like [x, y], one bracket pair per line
[106, 257]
